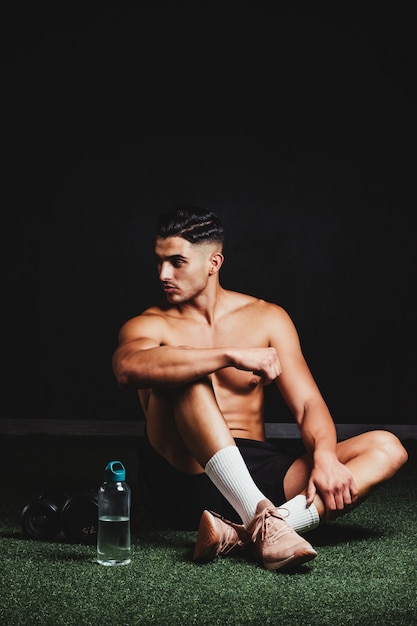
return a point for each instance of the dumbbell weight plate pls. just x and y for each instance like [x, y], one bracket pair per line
[41, 519]
[79, 518]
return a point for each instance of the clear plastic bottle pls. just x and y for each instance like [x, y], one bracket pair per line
[113, 535]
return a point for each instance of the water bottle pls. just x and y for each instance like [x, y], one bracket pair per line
[113, 535]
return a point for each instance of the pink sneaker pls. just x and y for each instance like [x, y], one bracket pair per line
[217, 536]
[277, 545]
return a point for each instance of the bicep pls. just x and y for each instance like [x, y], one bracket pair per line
[130, 357]
[134, 337]
[297, 385]
[138, 334]
[295, 382]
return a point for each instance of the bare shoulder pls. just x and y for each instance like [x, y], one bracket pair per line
[150, 323]
[278, 326]
[258, 307]
[265, 322]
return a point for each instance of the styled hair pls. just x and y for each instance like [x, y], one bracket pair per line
[194, 224]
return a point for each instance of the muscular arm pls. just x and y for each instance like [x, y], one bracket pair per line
[331, 479]
[141, 361]
[142, 364]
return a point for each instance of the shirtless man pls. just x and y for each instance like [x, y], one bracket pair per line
[200, 361]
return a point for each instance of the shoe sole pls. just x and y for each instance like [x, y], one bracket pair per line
[295, 560]
[207, 539]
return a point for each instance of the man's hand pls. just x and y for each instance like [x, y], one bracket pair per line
[263, 362]
[334, 484]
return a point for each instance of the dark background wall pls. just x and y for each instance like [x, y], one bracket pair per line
[297, 125]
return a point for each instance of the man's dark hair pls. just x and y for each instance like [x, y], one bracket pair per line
[194, 224]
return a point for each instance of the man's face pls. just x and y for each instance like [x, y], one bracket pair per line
[183, 267]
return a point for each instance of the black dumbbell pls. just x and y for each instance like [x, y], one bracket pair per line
[41, 519]
[79, 517]
[53, 511]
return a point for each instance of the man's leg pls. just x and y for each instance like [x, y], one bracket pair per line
[372, 458]
[206, 435]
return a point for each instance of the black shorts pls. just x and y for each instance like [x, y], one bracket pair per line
[176, 500]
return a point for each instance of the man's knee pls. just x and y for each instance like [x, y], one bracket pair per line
[383, 446]
[200, 389]
[389, 444]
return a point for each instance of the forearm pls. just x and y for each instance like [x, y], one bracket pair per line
[318, 430]
[331, 485]
[166, 366]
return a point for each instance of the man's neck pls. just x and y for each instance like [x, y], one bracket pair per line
[208, 306]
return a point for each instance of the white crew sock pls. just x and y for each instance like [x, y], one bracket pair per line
[228, 471]
[300, 516]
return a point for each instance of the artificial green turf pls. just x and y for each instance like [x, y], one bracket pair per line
[365, 573]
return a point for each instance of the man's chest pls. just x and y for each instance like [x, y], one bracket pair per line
[237, 332]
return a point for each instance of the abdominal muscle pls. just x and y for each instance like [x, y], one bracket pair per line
[243, 413]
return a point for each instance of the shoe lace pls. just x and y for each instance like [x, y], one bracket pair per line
[264, 524]
[234, 535]
[228, 543]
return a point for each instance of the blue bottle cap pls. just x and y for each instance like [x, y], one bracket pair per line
[114, 472]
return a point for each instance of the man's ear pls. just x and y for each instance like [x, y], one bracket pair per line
[216, 261]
